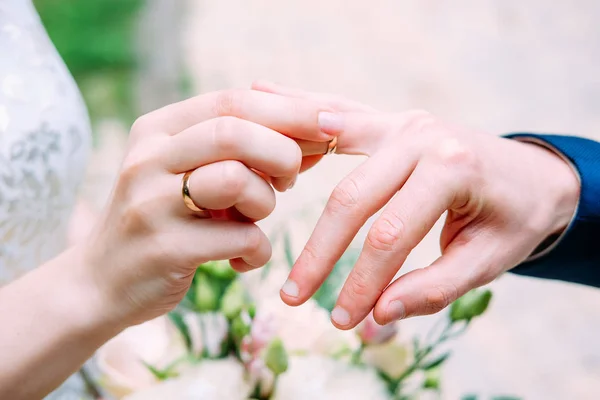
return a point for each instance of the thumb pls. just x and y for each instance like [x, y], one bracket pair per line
[429, 290]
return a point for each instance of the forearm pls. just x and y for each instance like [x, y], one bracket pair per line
[83, 218]
[52, 322]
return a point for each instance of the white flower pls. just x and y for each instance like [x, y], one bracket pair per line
[211, 379]
[264, 287]
[322, 378]
[392, 358]
[121, 360]
[207, 331]
[304, 329]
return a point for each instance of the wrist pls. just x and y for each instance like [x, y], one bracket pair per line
[77, 300]
[54, 302]
[563, 184]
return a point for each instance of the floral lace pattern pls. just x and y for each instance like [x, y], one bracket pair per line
[44, 144]
[44, 140]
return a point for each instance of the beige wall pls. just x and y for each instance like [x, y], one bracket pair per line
[499, 65]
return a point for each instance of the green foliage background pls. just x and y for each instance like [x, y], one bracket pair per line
[96, 38]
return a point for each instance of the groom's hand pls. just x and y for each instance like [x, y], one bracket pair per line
[502, 199]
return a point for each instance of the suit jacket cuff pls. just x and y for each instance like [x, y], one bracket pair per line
[574, 255]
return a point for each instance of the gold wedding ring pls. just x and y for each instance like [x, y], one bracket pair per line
[332, 146]
[187, 200]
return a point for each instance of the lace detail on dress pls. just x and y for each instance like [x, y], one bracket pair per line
[44, 140]
[44, 143]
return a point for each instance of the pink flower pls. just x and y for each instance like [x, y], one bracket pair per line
[370, 332]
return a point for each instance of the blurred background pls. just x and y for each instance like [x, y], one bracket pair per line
[499, 65]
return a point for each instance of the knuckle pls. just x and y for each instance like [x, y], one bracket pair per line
[141, 159]
[345, 197]
[386, 232]
[141, 125]
[315, 259]
[271, 203]
[452, 152]
[460, 158]
[234, 178]
[359, 287]
[253, 240]
[228, 102]
[292, 163]
[225, 134]
[440, 297]
[418, 121]
[311, 252]
[138, 219]
[134, 166]
[164, 249]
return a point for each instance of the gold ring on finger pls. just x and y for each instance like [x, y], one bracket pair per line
[332, 146]
[187, 199]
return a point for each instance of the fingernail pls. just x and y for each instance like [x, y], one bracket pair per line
[292, 183]
[340, 316]
[395, 311]
[290, 288]
[330, 123]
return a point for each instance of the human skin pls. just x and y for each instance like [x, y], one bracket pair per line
[501, 197]
[139, 259]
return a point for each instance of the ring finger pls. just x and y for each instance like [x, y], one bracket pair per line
[227, 184]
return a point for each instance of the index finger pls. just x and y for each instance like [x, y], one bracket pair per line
[294, 117]
[338, 103]
[354, 200]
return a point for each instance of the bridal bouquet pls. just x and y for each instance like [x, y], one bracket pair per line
[233, 338]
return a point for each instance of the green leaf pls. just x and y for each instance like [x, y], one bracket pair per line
[161, 375]
[97, 40]
[177, 320]
[436, 362]
[252, 310]
[207, 293]
[432, 379]
[391, 383]
[327, 294]
[469, 397]
[287, 247]
[471, 305]
[276, 357]
[218, 269]
[416, 345]
[266, 270]
[240, 326]
[234, 299]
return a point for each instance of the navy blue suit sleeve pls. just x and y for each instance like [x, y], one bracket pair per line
[576, 258]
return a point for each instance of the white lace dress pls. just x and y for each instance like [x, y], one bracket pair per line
[44, 143]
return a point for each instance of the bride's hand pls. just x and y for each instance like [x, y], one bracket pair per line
[144, 251]
[502, 199]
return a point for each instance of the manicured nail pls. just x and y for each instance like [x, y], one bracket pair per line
[340, 316]
[395, 311]
[330, 123]
[290, 288]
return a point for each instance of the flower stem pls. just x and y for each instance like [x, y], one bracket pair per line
[357, 355]
[421, 354]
